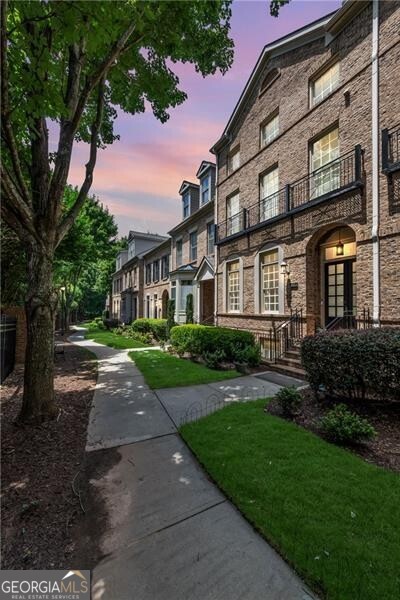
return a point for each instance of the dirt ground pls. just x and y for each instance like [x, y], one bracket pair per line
[383, 450]
[42, 502]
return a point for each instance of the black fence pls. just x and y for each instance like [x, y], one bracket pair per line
[335, 178]
[8, 336]
[391, 149]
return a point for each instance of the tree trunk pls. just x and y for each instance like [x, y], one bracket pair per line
[38, 400]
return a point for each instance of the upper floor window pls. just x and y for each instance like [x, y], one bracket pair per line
[269, 79]
[193, 245]
[325, 170]
[178, 247]
[324, 84]
[186, 205]
[165, 266]
[233, 286]
[148, 273]
[269, 185]
[210, 238]
[233, 215]
[269, 275]
[270, 130]
[206, 189]
[156, 270]
[234, 161]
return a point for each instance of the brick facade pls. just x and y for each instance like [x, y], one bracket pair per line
[156, 291]
[300, 235]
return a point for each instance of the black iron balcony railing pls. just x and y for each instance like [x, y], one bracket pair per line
[333, 179]
[391, 149]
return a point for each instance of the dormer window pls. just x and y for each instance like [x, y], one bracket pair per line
[186, 205]
[205, 189]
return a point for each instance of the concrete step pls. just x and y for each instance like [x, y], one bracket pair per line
[293, 353]
[296, 372]
[290, 361]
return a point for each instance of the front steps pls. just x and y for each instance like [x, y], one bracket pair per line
[289, 364]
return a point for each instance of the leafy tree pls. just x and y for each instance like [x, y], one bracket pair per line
[275, 6]
[170, 316]
[75, 63]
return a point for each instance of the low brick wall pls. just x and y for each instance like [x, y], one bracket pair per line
[18, 312]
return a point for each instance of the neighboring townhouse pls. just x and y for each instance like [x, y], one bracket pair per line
[308, 198]
[156, 288]
[192, 248]
[127, 281]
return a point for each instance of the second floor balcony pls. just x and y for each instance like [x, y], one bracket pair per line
[391, 150]
[333, 179]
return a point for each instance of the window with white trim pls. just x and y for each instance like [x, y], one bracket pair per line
[193, 245]
[325, 169]
[178, 248]
[270, 130]
[233, 286]
[206, 189]
[269, 279]
[234, 161]
[233, 214]
[325, 84]
[210, 237]
[269, 185]
[186, 205]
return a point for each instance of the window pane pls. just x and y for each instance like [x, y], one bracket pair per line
[234, 161]
[270, 130]
[269, 281]
[324, 151]
[325, 84]
[233, 286]
[233, 215]
[269, 196]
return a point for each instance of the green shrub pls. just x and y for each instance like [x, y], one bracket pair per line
[156, 327]
[189, 308]
[353, 363]
[251, 355]
[343, 426]
[289, 399]
[214, 359]
[198, 340]
[170, 316]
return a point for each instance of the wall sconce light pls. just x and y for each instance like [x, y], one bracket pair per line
[284, 268]
[339, 248]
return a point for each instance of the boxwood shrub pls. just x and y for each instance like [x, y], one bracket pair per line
[354, 363]
[157, 327]
[203, 340]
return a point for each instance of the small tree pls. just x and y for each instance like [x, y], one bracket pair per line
[189, 308]
[170, 316]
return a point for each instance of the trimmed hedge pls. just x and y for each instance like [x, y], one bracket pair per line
[353, 363]
[157, 327]
[203, 340]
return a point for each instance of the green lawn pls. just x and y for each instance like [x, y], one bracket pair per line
[334, 517]
[108, 338]
[161, 370]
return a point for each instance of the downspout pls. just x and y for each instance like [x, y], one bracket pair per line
[215, 246]
[375, 164]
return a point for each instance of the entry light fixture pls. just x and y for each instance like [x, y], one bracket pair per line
[284, 268]
[339, 248]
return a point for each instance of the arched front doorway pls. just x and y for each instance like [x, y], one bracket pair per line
[164, 302]
[332, 275]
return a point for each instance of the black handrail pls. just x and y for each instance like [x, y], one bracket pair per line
[391, 149]
[284, 335]
[335, 177]
[350, 320]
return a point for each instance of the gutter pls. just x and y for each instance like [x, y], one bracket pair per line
[376, 284]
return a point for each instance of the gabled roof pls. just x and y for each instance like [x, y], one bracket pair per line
[207, 262]
[205, 165]
[186, 185]
[293, 40]
[147, 236]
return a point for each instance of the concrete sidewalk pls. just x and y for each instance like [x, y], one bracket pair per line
[170, 534]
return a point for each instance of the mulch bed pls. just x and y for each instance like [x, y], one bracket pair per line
[41, 467]
[383, 451]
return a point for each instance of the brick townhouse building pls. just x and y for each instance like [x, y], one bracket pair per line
[156, 286]
[126, 302]
[308, 195]
[192, 248]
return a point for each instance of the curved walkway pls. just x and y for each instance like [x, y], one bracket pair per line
[171, 534]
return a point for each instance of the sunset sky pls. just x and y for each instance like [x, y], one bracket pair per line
[138, 177]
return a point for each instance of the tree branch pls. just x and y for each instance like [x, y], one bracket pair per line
[94, 138]
[5, 110]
